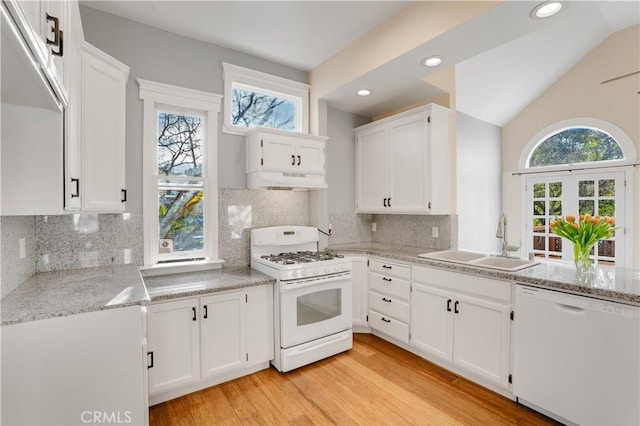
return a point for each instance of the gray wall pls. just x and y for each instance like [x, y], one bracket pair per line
[161, 56]
[479, 165]
[341, 159]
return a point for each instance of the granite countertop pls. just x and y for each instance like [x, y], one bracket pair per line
[615, 284]
[167, 287]
[62, 293]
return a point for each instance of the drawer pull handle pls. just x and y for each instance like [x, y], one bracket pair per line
[386, 279]
[455, 307]
[293, 160]
[449, 305]
[194, 318]
[385, 320]
[386, 266]
[384, 299]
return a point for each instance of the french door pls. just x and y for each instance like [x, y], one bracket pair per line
[597, 192]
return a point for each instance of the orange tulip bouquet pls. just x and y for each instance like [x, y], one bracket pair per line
[584, 234]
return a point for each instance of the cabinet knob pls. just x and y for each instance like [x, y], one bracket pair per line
[293, 160]
[455, 307]
[206, 312]
[449, 305]
[194, 318]
[150, 359]
[299, 160]
[124, 195]
[57, 36]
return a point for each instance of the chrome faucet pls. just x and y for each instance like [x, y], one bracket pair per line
[501, 233]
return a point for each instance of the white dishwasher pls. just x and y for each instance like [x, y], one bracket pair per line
[577, 358]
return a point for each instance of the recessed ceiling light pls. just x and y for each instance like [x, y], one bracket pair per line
[432, 61]
[546, 9]
[364, 92]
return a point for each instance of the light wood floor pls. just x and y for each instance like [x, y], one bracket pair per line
[375, 383]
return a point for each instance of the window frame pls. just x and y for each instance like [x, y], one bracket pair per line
[625, 165]
[268, 84]
[625, 142]
[163, 97]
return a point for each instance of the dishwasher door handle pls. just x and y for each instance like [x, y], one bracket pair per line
[570, 308]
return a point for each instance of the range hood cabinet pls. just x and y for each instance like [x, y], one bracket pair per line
[285, 160]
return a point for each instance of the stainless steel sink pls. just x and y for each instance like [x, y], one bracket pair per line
[508, 264]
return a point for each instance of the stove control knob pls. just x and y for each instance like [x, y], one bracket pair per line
[294, 274]
[324, 271]
[313, 271]
[338, 268]
[303, 273]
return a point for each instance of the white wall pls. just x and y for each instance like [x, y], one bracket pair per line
[161, 56]
[479, 159]
[579, 93]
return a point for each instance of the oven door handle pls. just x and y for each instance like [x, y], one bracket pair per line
[311, 282]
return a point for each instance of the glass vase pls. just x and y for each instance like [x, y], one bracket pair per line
[584, 265]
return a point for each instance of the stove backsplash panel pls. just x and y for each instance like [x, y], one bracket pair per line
[239, 210]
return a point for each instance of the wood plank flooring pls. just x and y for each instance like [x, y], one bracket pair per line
[375, 383]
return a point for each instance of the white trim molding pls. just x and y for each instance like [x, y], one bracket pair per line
[267, 83]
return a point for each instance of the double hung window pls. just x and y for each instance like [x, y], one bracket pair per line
[180, 185]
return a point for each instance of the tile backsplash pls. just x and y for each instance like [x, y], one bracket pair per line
[239, 210]
[416, 230]
[350, 228]
[15, 270]
[85, 240]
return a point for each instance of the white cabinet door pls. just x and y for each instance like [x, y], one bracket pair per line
[310, 157]
[53, 370]
[259, 324]
[431, 321]
[103, 131]
[223, 333]
[173, 345]
[278, 153]
[371, 172]
[481, 342]
[408, 162]
[73, 71]
[360, 292]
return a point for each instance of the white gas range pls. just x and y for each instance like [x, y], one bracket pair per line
[312, 301]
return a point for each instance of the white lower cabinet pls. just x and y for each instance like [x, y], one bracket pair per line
[199, 342]
[389, 289]
[173, 345]
[360, 273]
[462, 320]
[222, 331]
[77, 369]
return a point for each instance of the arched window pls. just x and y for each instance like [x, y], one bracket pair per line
[567, 170]
[575, 145]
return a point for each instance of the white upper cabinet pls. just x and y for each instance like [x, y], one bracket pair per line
[404, 163]
[104, 82]
[283, 159]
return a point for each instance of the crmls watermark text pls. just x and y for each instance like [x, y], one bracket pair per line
[102, 417]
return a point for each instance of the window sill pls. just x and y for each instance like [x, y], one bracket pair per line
[181, 267]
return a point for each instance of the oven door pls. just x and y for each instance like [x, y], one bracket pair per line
[313, 308]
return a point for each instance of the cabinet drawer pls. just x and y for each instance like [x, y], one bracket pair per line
[390, 306]
[390, 286]
[389, 326]
[390, 269]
